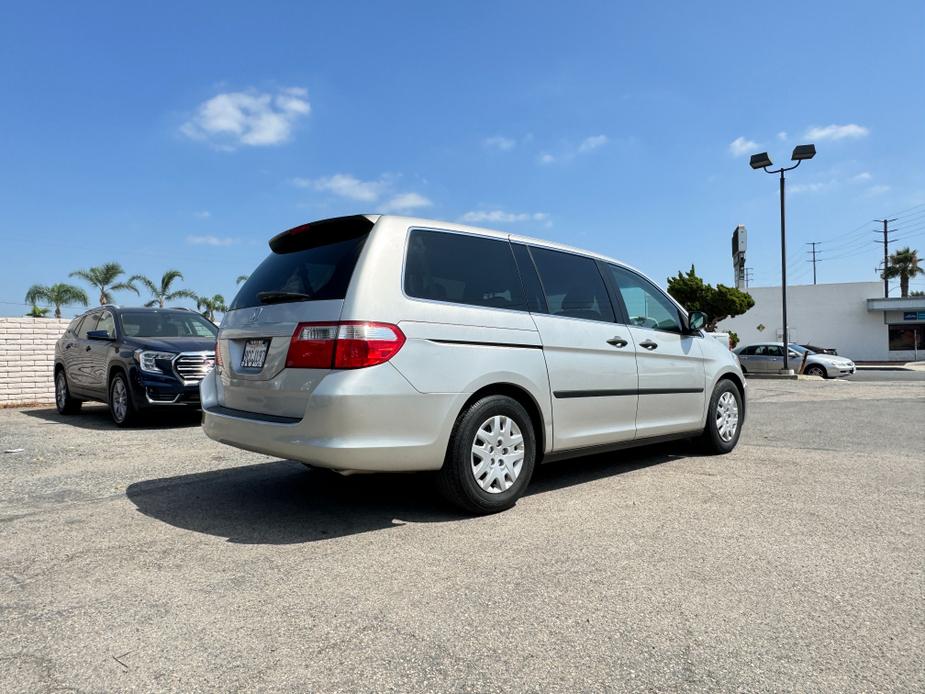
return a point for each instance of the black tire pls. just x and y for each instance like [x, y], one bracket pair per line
[815, 370]
[121, 408]
[64, 402]
[712, 441]
[457, 479]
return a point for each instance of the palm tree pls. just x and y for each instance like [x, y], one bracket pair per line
[162, 293]
[57, 295]
[241, 278]
[104, 279]
[904, 264]
[211, 306]
[37, 312]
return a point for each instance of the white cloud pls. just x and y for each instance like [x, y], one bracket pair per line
[346, 186]
[741, 146]
[593, 142]
[546, 158]
[404, 202]
[814, 187]
[836, 132]
[861, 177]
[210, 240]
[502, 217]
[499, 142]
[248, 118]
[782, 136]
[202, 214]
[878, 190]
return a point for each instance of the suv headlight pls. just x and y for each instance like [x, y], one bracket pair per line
[154, 362]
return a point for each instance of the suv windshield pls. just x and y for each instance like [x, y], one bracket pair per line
[157, 324]
[311, 265]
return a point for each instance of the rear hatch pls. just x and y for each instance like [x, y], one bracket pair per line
[304, 279]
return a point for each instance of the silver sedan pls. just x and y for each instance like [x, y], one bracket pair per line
[769, 358]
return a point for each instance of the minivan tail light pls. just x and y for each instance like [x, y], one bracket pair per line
[345, 345]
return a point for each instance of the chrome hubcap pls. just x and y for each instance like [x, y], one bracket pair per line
[61, 391]
[727, 416]
[497, 454]
[119, 400]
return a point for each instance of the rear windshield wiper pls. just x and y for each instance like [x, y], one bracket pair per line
[281, 297]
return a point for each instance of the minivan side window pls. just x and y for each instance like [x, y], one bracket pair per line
[462, 269]
[536, 302]
[573, 285]
[646, 306]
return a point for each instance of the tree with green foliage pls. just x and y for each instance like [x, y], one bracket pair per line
[38, 312]
[904, 264]
[56, 295]
[241, 278]
[209, 306]
[162, 292]
[103, 278]
[719, 302]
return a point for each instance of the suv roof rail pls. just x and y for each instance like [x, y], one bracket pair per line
[180, 308]
[108, 306]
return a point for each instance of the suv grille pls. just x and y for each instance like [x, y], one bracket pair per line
[194, 367]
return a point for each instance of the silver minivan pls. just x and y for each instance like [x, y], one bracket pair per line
[387, 343]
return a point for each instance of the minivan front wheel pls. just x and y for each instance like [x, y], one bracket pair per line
[491, 455]
[724, 419]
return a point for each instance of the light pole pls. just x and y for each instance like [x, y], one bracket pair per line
[763, 161]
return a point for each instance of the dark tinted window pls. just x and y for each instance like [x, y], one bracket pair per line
[158, 324]
[904, 336]
[320, 268]
[107, 323]
[536, 302]
[88, 324]
[573, 285]
[463, 269]
[645, 303]
[748, 351]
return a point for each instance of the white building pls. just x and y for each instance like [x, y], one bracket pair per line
[847, 316]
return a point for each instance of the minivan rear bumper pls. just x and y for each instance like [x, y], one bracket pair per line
[357, 420]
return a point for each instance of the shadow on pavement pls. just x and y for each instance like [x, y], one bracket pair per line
[283, 502]
[97, 417]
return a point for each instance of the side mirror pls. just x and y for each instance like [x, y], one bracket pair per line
[795, 355]
[697, 320]
[98, 335]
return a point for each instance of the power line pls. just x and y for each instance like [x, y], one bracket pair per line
[886, 254]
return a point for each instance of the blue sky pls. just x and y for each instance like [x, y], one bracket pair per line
[168, 135]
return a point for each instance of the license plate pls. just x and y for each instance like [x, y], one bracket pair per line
[255, 354]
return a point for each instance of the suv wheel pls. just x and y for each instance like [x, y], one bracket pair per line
[120, 401]
[724, 419]
[491, 455]
[63, 400]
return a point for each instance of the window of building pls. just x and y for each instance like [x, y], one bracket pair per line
[573, 285]
[463, 269]
[907, 337]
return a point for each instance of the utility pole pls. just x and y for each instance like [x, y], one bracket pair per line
[886, 252]
[749, 274]
[813, 261]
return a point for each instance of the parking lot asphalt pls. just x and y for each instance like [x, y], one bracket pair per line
[155, 559]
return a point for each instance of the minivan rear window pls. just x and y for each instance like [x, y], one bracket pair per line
[314, 264]
[462, 269]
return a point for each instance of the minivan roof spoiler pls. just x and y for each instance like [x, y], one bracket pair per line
[322, 232]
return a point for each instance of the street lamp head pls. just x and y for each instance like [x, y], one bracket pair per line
[760, 161]
[801, 152]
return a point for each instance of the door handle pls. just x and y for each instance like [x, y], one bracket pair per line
[617, 342]
[649, 345]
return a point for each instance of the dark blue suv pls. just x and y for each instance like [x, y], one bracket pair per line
[133, 359]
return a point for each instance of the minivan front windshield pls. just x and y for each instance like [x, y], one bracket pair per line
[159, 324]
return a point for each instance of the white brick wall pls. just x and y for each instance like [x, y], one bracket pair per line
[27, 350]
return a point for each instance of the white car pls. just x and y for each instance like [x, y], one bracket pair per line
[769, 358]
[380, 343]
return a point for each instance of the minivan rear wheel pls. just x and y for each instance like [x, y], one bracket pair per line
[491, 455]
